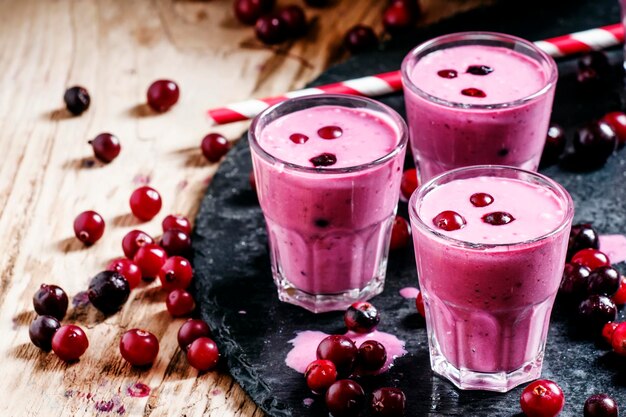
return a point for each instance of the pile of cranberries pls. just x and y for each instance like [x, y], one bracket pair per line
[271, 26]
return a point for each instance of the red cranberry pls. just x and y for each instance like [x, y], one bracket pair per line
[145, 203]
[398, 18]
[50, 300]
[77, 100]
[345, 398]
[191, 330]
[371, 356]
[607, 332]
[150, 258]
[324, 160]
[41, 331]
[400, 233]
[473, 92]
[388, 402]
[617, 121]
[176, 272]
[479, 70]
[271, 29]
[593, 68]
[596, 142]
[176, 242]
[596, 311]
[203, 354]
[248, 11]
[542, 398]
[600, 405]
[139, 347]
[582, 236]
[448, 73]
[481, 199]
[604, 280]
[108, 291]
[449, 220]
[618, 341]
[591, 258]
[620, 296]
[179, 303]
[89, 227]
[163, 94]
[361, 317]
[330, 132]
[409, 182]
[133, 240]
[574, 282]
[176, 221]
[69, 342]
[419, 304]
[554, 146]
[360, 38]
[214, 146]
[340, 350]
[294, 19]
[128, 269]
[298, 138]
[498, 218]
[106, 147]
[319, 375]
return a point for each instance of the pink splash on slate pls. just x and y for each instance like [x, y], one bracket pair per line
[305, 344]
[614, 246]
[409, 292]
[307, 402]
[138, 389]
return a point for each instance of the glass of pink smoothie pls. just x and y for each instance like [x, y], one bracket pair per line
[490, 246]
[328, 171]
[477, 98]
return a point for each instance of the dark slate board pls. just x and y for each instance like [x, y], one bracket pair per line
[237, 297]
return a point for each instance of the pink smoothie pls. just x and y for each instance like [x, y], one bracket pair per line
[329, 225]
[451, 129]
[489, 289]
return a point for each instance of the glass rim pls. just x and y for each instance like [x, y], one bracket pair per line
[422, 190]
[478, 36]
[400, 124]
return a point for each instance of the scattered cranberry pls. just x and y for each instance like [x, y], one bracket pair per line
[179, 303]
[176, 272]
[108, 291]
[69, 342]
[596, 311]
[214, 146]
[593, 68]
[176, 221]
[150, 258]
[345, 398]
[106, 147]
[77, 100]
[448, 73]
[324, 160]
[617, 121]
[41, 331]
[618, 341]
[479, 70]
[294, 19]
[398, 18]
[248, 11]
[574, 282]
[419, 304]
[139, 347]
[89, 227]
[330, 132]
[145, 203]
[271, 29]
[50, 300]
[203, 354]
[473, 92]
[371, 356]
[163, 94]
[298, 138]
[596, 141]
[582, 236]
[604, 280]
[400, 233]
[449, 221]
[481, 199]
[128, 269]
[554, 146]
[542, 398]
[591, 258]
[600, 405]
[361, 317]
[340, 350]
[191, 330]
[409, 182]
[360, 39]
[133, 240]
[620, 296]
[607, 332]
[388, 402]
[319, 375]
[176, 242]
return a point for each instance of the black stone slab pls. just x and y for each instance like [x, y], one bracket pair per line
[237, 297]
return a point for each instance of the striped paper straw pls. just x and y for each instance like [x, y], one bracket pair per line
[389, 82]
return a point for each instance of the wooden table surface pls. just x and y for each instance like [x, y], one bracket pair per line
[116, 49]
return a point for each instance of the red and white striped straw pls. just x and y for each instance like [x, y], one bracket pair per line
[389, 82]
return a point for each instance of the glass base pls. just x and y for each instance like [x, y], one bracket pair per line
[466, 379]
[322, 303]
